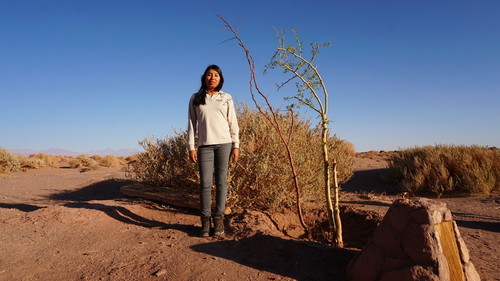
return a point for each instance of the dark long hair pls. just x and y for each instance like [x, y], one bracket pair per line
[199, 98]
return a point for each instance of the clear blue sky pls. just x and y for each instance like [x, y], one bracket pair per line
[90, 75]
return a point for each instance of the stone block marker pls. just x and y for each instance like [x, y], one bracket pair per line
[416, 240]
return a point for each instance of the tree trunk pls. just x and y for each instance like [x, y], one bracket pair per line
[339, 242]
[297, 189]
[328, 197]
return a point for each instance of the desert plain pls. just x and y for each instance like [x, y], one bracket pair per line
[74, 224]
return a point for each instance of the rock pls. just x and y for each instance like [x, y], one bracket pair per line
[409, 274]
[160, 272]
[471, 272]
[416, 240]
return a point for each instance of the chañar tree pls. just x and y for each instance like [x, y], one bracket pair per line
[312, 93]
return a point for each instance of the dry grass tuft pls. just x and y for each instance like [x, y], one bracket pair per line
[131, 158]
[31, 163]
[164, 163]
[12, 163]
[40, 160]
[445, 169]
[83, 161]
[8, 162]
[111, 161]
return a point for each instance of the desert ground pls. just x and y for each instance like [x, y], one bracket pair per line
[71, 224]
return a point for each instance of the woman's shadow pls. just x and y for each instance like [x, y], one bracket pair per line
[298, 260]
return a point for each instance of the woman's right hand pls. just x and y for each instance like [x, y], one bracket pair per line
[193, 155]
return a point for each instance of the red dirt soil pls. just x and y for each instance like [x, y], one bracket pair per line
[65, 224]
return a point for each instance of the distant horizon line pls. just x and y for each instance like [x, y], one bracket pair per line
[131, 151]
[66, 152]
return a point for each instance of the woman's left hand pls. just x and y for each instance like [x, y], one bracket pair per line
[235, 154]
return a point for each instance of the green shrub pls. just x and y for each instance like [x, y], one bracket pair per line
[443, 169]
[261, 178]
[8, 162]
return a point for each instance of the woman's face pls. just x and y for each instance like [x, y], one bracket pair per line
[212, 79]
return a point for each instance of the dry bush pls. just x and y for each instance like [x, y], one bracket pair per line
[49, 160]
[111, 161]
[83, 161]
[63, 159]
[261, 178]
[8, 162]
[97, 158]
[165, 163]
[131, 158]
[32, 163]
[40, 160]
[444, 169]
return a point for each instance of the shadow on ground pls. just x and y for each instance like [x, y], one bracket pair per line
[124, 215]
[476, 221]
[21, 207]
[368, 181]
[85, 198]
[295, 259]
[484, 225]
[103, 190]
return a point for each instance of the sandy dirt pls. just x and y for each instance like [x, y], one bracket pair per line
[66, 224]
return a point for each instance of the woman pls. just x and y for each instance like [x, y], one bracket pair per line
[212, 118]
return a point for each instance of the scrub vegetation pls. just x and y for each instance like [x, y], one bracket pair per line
[446, 169]
[261, 177]
[10, 162]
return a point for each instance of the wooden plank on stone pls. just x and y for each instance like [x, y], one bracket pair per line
[450, 250]
[171, 196]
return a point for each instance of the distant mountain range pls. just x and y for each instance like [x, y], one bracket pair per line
[64, 152]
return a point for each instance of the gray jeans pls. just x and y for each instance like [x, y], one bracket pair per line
[210, 158]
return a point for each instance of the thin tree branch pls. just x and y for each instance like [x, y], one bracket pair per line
[311, 88]
[273, 120]
[317, 73]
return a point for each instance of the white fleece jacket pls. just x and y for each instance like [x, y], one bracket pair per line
[214, 122]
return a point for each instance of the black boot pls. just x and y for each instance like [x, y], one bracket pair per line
[205, 227]
[219, 225]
